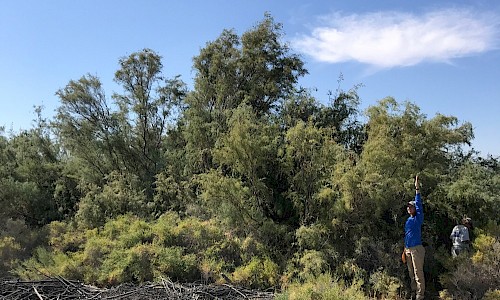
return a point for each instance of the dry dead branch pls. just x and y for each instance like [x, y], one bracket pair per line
[60, 288]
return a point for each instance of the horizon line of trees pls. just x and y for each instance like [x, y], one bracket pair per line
[247, 176]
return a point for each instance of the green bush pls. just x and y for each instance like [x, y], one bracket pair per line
[128, 265]
[211, 270]
[17, 242]
[312, 237]
[64, 237]
[471, 277]
[128, 231]
[258, 273]
[9, 253]
[492, 295]
[197, 235]
[173, 263]
[322, 287]
[120, 195]
[227, 251]
[45, 263]
[385, 286]
[312, 263]
[251, 247]
[350, 271]
[163, 229]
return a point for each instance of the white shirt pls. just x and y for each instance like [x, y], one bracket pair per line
[459, 235]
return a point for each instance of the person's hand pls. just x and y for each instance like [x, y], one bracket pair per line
[417, 185]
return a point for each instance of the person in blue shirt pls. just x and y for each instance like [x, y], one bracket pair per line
[414, 251]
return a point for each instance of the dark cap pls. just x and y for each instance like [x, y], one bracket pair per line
[467, 220]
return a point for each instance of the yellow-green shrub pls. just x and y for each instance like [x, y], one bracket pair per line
[492, 295]
[312, 237]
[64, 237]
[312, 263]
[44, 263]
[163, 229]
[197, 235]
[9, 253]
[17, 242]
[173, 263]
[474, 276]
[322, 287]
[385, 285]
[211, 269]
[258, 273]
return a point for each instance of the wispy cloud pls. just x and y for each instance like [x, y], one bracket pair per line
[390, 39]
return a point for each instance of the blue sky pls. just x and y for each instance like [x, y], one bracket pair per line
[444, 56]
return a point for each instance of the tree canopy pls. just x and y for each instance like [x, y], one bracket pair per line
[247, 176]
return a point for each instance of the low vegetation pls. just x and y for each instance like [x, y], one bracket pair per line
[246, 179]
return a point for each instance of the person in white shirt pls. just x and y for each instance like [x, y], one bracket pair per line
[460, 237]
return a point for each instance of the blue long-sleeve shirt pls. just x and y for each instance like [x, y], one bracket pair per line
[413, 226]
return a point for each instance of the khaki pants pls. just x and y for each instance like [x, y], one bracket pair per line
[415, 263]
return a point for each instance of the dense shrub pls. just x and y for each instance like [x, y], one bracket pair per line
[9, 253]
[247, 178]
[471, 277]
[128, 249]
[385, 286]
[174, 263]
[323, 287]
[17, 242]
[258, 273]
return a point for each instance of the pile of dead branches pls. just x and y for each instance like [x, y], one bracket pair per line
[60, 288]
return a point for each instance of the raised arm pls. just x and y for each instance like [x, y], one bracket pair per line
[417, 185]
[418, 202]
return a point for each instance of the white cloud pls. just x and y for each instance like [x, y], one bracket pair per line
[390, 39]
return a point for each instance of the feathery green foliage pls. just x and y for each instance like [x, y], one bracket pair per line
[246, 178]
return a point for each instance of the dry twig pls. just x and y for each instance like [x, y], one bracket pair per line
[63, 289]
